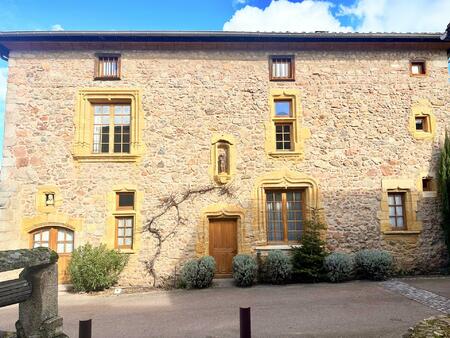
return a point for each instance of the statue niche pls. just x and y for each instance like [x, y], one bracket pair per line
[223, 158]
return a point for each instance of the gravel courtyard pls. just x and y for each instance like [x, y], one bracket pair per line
[354, 309]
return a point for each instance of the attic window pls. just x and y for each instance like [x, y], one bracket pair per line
[281, 68]
[107, 67]
[417, 68]
[428, 184]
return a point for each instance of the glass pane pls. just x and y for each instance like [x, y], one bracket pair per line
[37, 237]
[69, 236]
[392, 221]
[400, 221]
[391, 199]
[69, 247]
[399, 211]
[398, 199]
[45, 235]
[283, 108]
[126, 148]
[129, 222]
[126, 200]
[36, 245]
[121, 232]
[61, 235]
[391, 211]
[60, 248]
[120, 241]
[44, 244]
[128, 232]
[128, 241]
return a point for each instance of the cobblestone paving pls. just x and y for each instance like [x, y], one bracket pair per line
[424, 297]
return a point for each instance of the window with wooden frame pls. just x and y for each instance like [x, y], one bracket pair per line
[284, 124]
[111, 131]
[107, 67]
[396, 202]
[281, 68]
[285, 210]
[56, 238]
[125, 201]
[124, 232]
[124, 219]
[417, 68]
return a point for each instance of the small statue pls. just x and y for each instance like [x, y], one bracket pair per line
[223, 162]
[49, 199]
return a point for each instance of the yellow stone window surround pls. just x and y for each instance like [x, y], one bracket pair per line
[422, 109]
[110, 233]
[83, 146]
[282, 179]
[41, 203]
[216, 141]
[409, 188]
[299, 134]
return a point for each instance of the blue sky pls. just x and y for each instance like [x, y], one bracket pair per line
[245, 15]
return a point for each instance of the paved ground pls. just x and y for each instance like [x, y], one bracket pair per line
[437, 285]
[354, 309]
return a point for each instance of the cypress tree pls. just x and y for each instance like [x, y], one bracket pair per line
[444, 189]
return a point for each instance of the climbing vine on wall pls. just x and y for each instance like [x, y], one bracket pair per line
[172, 203]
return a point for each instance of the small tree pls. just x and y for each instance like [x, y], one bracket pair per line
[308, 258]
[444, 189]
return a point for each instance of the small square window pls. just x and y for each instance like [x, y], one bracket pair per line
[107, 67]
[427, 184]
[422, 124]
[281, 68]
[50, 199]
[283, 108]
[417, 68]
[125, 200]
[283, 136]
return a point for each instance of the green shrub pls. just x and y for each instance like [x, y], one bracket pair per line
[307, 259]
[339, 267]
[244, 270]
[277, 268]
[198, 273]
[95, 268]
[374, 264]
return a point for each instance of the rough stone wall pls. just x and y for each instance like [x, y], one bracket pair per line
[356, 104]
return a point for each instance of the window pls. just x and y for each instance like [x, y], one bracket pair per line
[125, 200]
[283, 108]
[281, 68]
[59, 239]
[107, 67]
[428, 184]
[417, 68]
[283, 136]
[285, 214]
[124, 235]
[111, 128]
[124, 219]
[422, 123]
[108, 125]
[397, 210]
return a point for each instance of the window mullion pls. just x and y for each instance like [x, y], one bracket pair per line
[111, 129]
[284, 212]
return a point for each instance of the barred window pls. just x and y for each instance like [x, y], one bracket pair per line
[281, 68]
[107, 67]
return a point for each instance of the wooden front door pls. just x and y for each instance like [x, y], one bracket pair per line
[223, 244]
[60, 240]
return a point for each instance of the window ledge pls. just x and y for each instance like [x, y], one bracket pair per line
[125, 251]
[276, 247]
[286, 154]
[402, 232]
[107, 158]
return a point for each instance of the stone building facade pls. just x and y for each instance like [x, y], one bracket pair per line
[350, 124]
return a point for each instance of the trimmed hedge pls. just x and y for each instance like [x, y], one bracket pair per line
[244, 270]
[340, 267]
[198, 273]
[277, 268]
[374, 264]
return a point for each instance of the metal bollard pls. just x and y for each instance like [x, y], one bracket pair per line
[85, 329]
[245, 322]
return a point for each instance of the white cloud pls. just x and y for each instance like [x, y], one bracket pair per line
[3, 77]
[57, 27]
[400, 15]
[283, 15]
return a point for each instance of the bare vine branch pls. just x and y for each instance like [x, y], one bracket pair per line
[173, 202]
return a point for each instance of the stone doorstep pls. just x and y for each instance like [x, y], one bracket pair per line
[223, 283]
